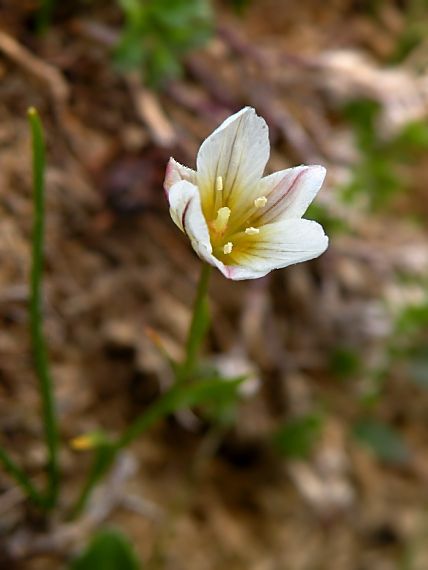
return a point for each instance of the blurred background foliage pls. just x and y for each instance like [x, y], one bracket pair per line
[158, 33]
[377, 175]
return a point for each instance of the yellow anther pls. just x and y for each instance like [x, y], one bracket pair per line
[260, 202]
[222, 219]
[219, 184]
[252, 231]
[227, 248]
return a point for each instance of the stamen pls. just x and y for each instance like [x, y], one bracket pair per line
[260, 202]
[252, 231]
[219, 184]
[222, 219]
[227, 248]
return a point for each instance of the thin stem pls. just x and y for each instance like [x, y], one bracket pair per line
[163, 406]
[41, 362]
[103, 460]
[198, 324]
[21, 478]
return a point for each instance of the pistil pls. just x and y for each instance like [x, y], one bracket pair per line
[227, 248]
[219, 225]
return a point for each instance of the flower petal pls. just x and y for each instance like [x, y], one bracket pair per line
[186, 212]
[237, 151]
[289, 193]
[176, 172]
[241, 273]
[276, 246]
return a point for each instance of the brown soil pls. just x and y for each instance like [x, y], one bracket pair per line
[116, 264]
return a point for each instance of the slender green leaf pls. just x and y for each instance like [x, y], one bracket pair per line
[182, 396]
[41, 361]
[21, 478]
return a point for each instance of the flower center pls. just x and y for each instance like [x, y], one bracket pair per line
[229, 232]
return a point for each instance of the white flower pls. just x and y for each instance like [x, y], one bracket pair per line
[240, 222]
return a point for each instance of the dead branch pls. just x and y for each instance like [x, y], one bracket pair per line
[33, 65]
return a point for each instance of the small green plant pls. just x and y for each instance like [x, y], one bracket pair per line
[377, 174]
[158, 33]
[229, 172]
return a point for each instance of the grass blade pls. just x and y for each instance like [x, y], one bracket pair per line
[20, 477]
[41, 362]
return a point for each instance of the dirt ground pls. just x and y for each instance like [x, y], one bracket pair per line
[116, 264]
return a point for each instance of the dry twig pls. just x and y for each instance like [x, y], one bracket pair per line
[35, 66]
[151, 113]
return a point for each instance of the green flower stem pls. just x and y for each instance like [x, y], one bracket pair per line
[198, 326]
[21, 478]
[41, 362]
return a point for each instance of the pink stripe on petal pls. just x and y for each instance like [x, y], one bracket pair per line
[282, 197]
[289, 192]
